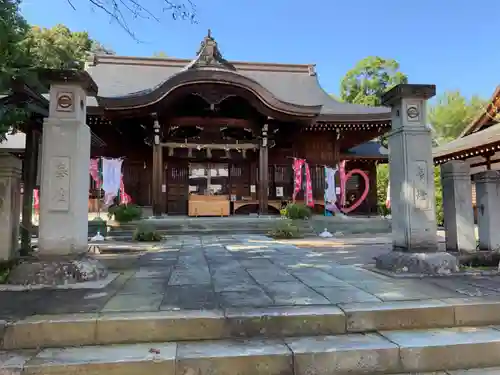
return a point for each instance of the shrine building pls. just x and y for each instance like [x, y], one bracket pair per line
[212, 137]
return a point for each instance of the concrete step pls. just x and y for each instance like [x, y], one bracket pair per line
[164, 326]
[386, 352]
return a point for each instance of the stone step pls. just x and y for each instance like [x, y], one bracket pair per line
[386, 352]
[186, 325]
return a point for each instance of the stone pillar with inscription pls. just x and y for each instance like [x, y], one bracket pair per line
[457, 207]
[414, 231]
[10, 205]
[488, 209]
[63, 230]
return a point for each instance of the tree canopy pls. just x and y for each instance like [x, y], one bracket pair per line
[57, 47]
[24, 49]
[13, 29]
[369, 79]
[451, 114]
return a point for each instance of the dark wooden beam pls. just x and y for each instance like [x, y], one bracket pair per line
[263, 172]
[29, 181]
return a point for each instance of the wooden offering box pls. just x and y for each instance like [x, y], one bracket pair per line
[208, 205]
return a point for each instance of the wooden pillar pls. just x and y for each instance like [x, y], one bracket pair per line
[263, 172]
[157, 170]
[29, 182]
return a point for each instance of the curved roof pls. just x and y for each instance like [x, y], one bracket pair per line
[130, 81]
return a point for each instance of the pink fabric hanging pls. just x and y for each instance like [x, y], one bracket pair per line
[94, 172]
[309, 191]
[297, 170]
[124, 197]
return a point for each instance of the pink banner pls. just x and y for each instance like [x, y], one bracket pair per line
[94, 172]
[297, 169]
[124, 197]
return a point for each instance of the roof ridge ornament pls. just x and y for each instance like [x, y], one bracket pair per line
[209, 55]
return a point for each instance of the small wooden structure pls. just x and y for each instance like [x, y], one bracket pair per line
[479, 143]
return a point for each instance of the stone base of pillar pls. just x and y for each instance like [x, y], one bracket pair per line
[57, 270]
[440, 263]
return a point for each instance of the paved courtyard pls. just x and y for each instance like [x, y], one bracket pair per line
[246, 271]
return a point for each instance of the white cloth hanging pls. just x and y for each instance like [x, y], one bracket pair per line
[111, 177]
[330, 191]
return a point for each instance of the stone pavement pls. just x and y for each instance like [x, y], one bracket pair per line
[246, 271]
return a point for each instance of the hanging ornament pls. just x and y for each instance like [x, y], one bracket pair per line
[190, 152]
[209, 153]
[170, 151]
[244, 153]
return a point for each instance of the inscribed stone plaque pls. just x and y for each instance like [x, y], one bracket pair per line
[65, 102]
[59, 183]
[420, 183]
[413, 112]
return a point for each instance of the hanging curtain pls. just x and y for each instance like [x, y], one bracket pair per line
[111, 177]
[330, 189]
[124, 197]
[309, 190]
[94, 172]
[297, 171]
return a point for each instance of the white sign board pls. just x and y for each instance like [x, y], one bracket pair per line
[252, 189]
[279, 191]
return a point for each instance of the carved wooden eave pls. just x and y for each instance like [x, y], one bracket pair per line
[194, 79]
[481, 143]
[209, 56]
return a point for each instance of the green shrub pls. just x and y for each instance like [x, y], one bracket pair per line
[296, 211]
[439, 196]
[146, 233]
[285, 229]
[124, 213]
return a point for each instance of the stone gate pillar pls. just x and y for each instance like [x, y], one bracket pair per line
[488, 209]
[10, 205]
[414, 231]
[63, 232]
[64, 189]
[457, 206]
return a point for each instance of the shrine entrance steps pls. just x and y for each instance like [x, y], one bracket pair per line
[247, 305]
[365, 338]
[181, 225]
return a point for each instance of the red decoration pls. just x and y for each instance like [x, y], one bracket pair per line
[360, 200]
[297, 168]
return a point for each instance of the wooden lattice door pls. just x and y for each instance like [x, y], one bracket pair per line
[177, 176]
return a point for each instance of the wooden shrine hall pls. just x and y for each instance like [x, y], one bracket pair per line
[214, 137]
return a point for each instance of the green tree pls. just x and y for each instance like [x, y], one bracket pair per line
[58, 47]
[369, 79]
[24, 49]
[451, 114]
[14, 59]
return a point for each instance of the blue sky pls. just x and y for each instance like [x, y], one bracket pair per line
[452, 44]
